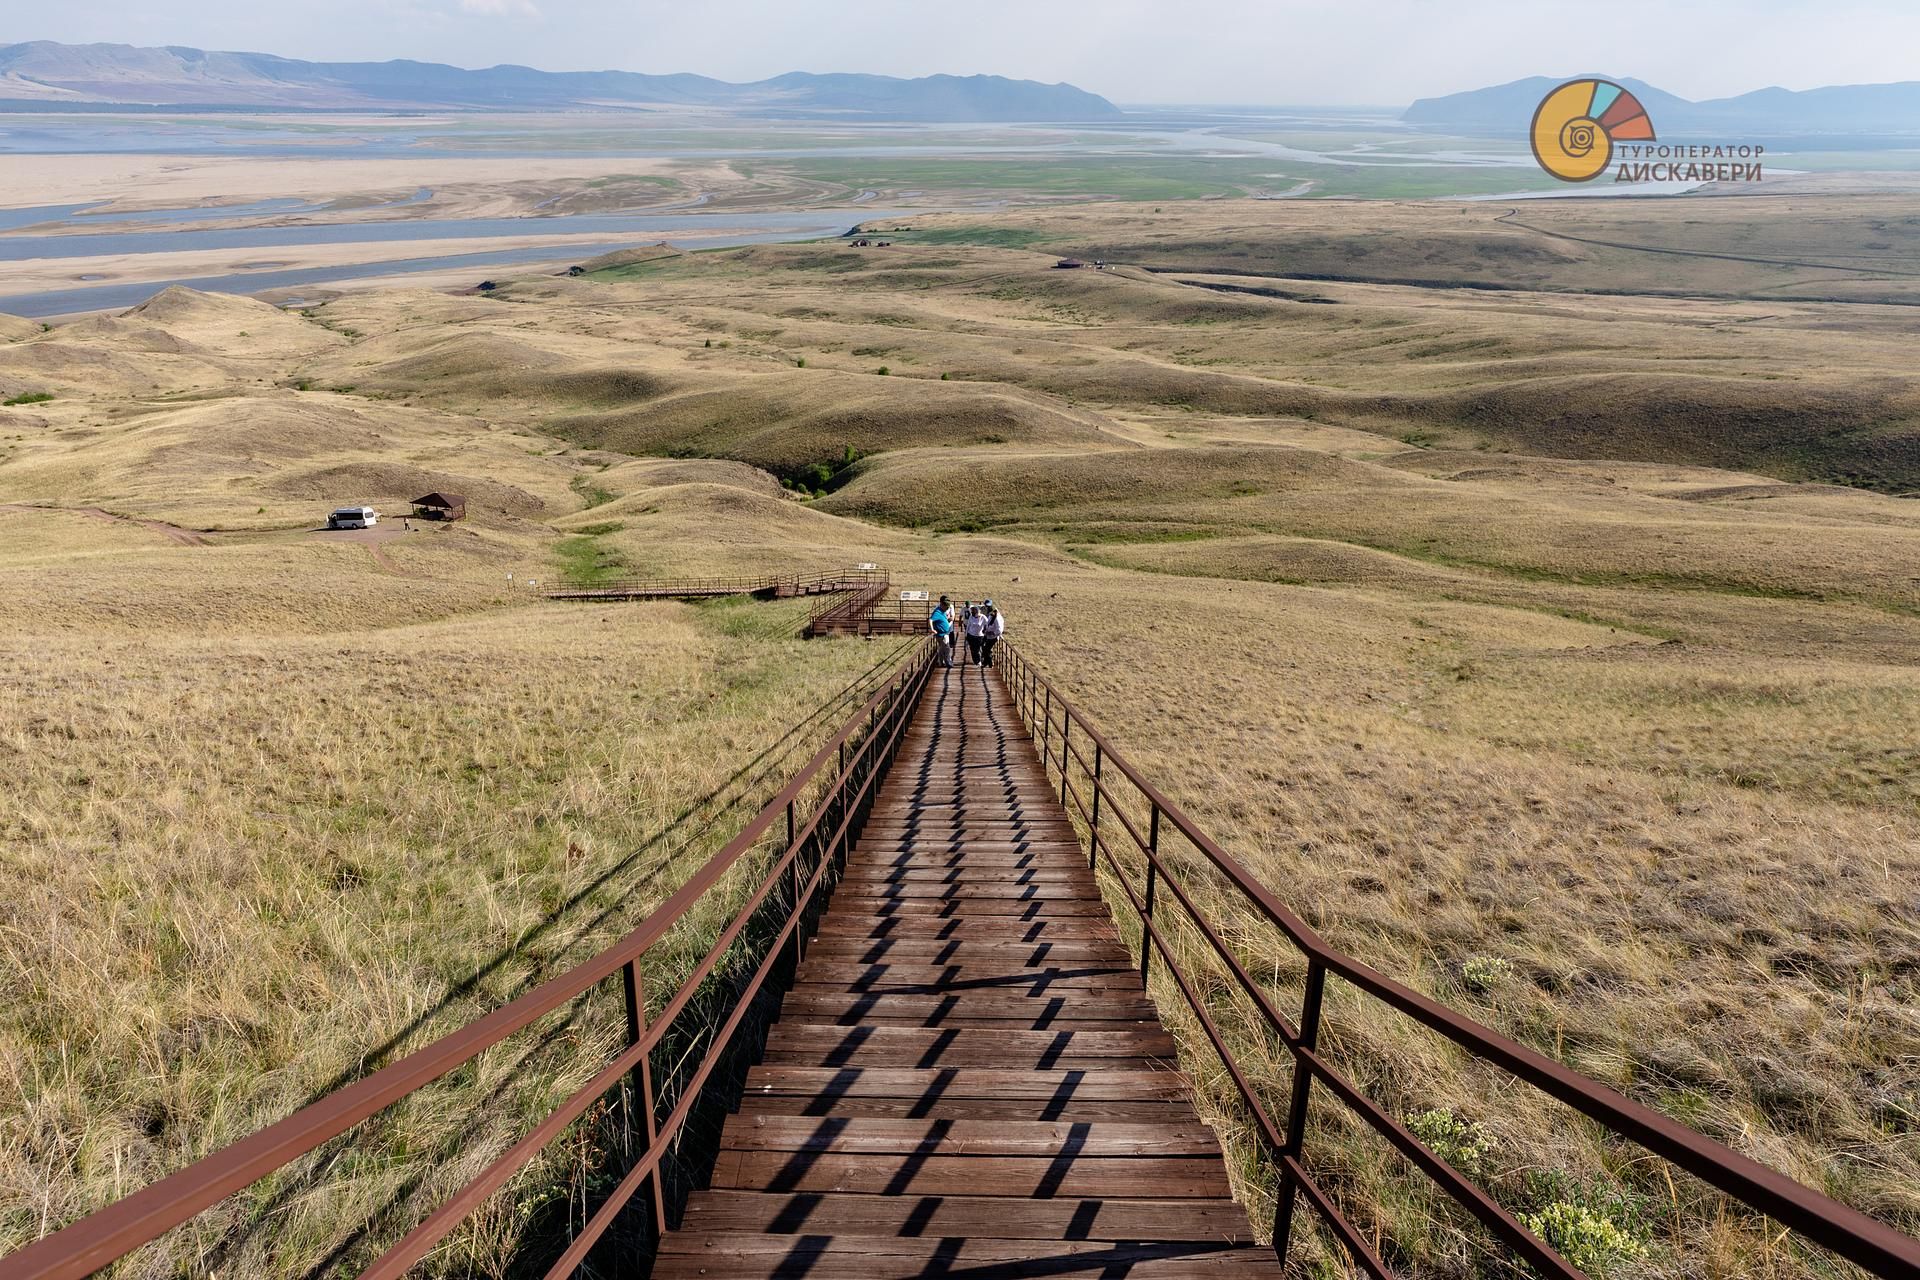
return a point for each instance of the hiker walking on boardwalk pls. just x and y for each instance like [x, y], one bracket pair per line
[940, 624]
[976, 634]
[994, 626]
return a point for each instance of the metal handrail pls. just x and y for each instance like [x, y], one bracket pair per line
[832, 580]
[851, 763]
[1846, 1231]
[853, 599]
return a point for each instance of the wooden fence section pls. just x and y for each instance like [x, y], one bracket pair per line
[966, 1077]
[773, 586]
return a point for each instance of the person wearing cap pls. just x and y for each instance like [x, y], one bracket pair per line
[940, 624]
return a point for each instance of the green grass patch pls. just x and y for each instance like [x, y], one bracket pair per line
[594, 495]
[28, 397]
[585, 561]
[1128, 177]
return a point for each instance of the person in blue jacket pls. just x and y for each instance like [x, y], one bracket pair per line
[940, 623]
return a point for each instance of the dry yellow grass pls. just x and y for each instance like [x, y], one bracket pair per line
[240, 865]
[1501, 633]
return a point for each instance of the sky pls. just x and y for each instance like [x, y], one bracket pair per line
[1379, 52]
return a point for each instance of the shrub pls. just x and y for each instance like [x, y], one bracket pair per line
[1591, 1241]
[32, 397]
[800, 363]
[1461, 1143]
[1484, 973]
[883, 371]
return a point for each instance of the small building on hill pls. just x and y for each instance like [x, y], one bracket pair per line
[440, 506]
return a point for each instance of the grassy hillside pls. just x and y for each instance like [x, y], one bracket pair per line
[1552, 650]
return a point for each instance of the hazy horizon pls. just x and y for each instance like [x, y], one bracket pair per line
[1381, 54]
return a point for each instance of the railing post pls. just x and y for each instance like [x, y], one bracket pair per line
[1093, 840]
[641, 1081]
[1066, 755]
[1297, 1104]
[1146, 914]
[799, 877]
[1046, 732]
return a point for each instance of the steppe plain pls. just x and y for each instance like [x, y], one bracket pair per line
[1529, 595]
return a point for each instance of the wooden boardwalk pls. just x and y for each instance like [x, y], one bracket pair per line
[966, 1078]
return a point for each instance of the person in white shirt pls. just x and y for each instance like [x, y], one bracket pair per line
[996, 626]
[976, 633]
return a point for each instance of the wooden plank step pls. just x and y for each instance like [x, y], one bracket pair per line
[1091, 1110]
[1052, 1013]
[935, 1217]
[1043, 1177]
[1034, 907]
[826, 1045]
[837, 924]
[905, 1082]
[979, 853]
[1064, 1139]
[752, 1256]
[1074, 872]
[909, 949]
[830, 972]
[1049, 890]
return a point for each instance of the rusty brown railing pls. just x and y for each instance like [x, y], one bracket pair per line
[787, 584]
[1072, 746]
[845, 772]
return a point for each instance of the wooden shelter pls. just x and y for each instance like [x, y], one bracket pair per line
[440, 506]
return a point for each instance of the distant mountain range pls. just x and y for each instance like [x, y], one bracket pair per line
[48, 73]
[1853, 109]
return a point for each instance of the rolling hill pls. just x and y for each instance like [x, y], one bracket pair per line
[46, 72]
[1872, 110]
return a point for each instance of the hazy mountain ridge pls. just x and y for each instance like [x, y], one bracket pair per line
[47, 71]
[1844, 109]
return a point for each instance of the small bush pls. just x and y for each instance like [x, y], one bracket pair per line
[1590, 1241]
[883, 371]
[1464, 1144]
[800, 363]
[1484, 973]
[946, 377]
[41, 397]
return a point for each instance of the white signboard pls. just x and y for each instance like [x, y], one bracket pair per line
[913, 595]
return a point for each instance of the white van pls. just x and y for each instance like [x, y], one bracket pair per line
[352, 518]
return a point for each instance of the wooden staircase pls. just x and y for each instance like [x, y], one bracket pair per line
[966, 1077]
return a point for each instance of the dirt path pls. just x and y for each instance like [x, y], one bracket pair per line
[171, 532]
[374, 541]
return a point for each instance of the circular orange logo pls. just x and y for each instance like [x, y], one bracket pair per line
[1575, 126]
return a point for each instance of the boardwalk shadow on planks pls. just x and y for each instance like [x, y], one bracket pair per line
[966, 1078]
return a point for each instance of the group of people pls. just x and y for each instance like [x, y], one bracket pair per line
[982, 624]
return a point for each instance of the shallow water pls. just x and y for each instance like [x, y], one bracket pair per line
[26, 247]
[118, 296]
